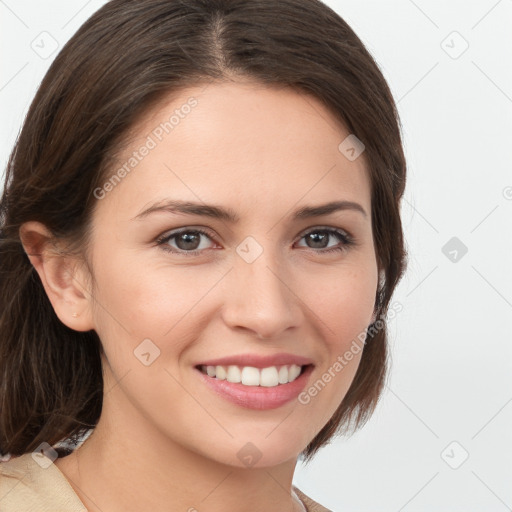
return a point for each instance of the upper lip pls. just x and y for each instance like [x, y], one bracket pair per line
[258, 361]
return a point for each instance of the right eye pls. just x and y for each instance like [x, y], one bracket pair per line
[189, 240]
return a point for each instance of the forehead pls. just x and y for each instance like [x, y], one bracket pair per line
[240, 143]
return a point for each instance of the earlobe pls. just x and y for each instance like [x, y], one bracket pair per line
[58, 271]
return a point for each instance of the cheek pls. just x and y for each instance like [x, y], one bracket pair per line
[344, 303]
[342, 309]
[138, 301]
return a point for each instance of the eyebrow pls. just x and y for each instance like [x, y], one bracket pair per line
[226, 214]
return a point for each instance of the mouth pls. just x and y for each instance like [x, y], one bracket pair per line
[255, 388]
[270, 376]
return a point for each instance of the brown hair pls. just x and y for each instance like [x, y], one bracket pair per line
[125, 58]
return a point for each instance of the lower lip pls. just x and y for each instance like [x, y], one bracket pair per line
[258, 397]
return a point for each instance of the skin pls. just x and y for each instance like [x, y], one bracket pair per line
[164, 440]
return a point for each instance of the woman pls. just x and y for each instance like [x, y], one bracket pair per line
[200, 238]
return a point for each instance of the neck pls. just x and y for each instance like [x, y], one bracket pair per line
[127, 465]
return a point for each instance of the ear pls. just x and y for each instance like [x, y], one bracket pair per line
[61, 276]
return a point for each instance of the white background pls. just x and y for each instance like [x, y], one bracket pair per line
[451, 376]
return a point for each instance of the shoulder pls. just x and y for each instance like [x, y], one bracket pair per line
[311, 505]
[28, 484]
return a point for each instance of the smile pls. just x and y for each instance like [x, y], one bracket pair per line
[256, 388]
[270, 376]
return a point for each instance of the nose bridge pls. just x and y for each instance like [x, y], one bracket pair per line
[260, 294]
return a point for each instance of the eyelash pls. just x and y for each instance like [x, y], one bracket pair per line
[343, 236]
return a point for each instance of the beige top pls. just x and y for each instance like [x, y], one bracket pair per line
[28, 486]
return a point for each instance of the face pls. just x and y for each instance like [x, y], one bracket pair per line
[178, 288]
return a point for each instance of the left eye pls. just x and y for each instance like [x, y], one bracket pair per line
[325, 233]
[188, 241]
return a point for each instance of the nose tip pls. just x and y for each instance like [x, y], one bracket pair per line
[261, 300]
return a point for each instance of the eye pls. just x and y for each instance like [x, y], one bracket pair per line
[320, 236]
[188, 240]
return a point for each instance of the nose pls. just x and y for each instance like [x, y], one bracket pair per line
[260, 298]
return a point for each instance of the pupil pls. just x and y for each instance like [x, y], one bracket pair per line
[316, 238]
[187, 239]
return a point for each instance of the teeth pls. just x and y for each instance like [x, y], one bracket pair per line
[219, 372]
[250, 376]
[233, 374]
[269, 377]
[283, 375]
